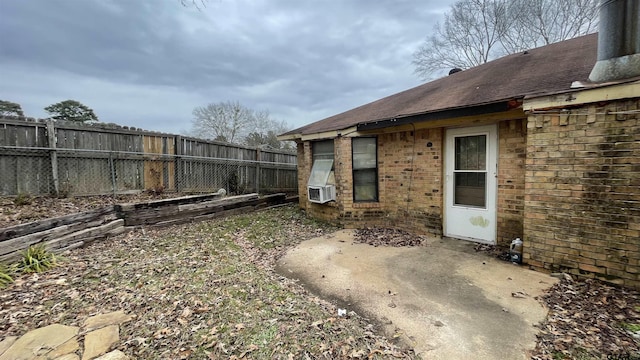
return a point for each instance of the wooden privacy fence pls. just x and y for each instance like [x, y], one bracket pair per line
[40, 157]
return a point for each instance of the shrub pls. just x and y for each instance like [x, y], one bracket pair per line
[36, 259]
[22, 199]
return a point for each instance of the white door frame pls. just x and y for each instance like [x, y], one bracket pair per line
[477, 224]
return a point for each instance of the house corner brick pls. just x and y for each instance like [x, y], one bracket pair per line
[583, 192]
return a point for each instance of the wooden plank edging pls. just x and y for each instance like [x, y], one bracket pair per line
[43, 225]
[75, 230]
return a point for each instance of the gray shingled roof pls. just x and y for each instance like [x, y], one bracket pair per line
[545, 70]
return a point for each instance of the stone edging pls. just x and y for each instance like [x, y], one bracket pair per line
[98, 335]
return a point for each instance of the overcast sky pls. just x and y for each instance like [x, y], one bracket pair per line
[148, 63]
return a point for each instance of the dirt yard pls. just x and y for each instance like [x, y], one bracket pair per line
[208, 290]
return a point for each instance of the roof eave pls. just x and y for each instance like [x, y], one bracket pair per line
[330, 134]
[289, 137]
[477, 109]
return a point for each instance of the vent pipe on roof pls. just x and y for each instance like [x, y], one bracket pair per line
[618, 41]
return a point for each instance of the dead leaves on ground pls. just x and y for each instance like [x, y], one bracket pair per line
[388, 237]
[589, 320]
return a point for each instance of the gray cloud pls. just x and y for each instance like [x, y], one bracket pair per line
[148, 63]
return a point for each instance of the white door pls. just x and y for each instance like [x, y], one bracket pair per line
[470, 183]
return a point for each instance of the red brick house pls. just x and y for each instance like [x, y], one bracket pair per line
[523, 146]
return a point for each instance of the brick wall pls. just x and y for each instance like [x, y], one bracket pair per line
[304, 170]
[410, 170]
[582, 193]
[411, 179]
[409, 187]
[328, 211]
[512, 152]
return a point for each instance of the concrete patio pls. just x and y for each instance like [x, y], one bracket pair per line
[444, 299]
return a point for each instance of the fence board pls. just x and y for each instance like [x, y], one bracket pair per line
[159, 174]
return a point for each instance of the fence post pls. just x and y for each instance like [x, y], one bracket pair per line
[257, 170]
[178, 163]
[53, 154]
[113, 173]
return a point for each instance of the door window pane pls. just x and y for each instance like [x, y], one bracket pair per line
[470, 188]
[470, 173]
[471, 152]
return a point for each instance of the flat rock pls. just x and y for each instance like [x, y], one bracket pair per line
[6, 343]
[68, 357]
[99, 341]
[102, 320]
[68, 348]
[114, 355]
[39, 342]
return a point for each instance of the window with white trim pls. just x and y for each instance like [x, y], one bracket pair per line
[365, 168]
[321, 185]
[322, 153]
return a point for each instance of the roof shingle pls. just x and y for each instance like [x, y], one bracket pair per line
[543, 70]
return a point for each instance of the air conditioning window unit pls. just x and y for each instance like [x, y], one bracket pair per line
[321, 194]
[318, 188]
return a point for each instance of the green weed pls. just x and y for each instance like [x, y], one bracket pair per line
[576, 353]
[36, 259]
[6, 273]
[631, 327]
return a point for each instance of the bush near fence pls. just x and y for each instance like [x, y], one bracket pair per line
[45, 157]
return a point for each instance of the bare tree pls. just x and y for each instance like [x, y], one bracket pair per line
[266, 132]
[224, 121]
[477, 31]
[468, 37]
[234, 123]
[544, 22]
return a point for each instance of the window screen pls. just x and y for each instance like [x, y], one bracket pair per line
[322, 167]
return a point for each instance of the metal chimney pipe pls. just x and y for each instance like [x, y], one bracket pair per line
[618, 41]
